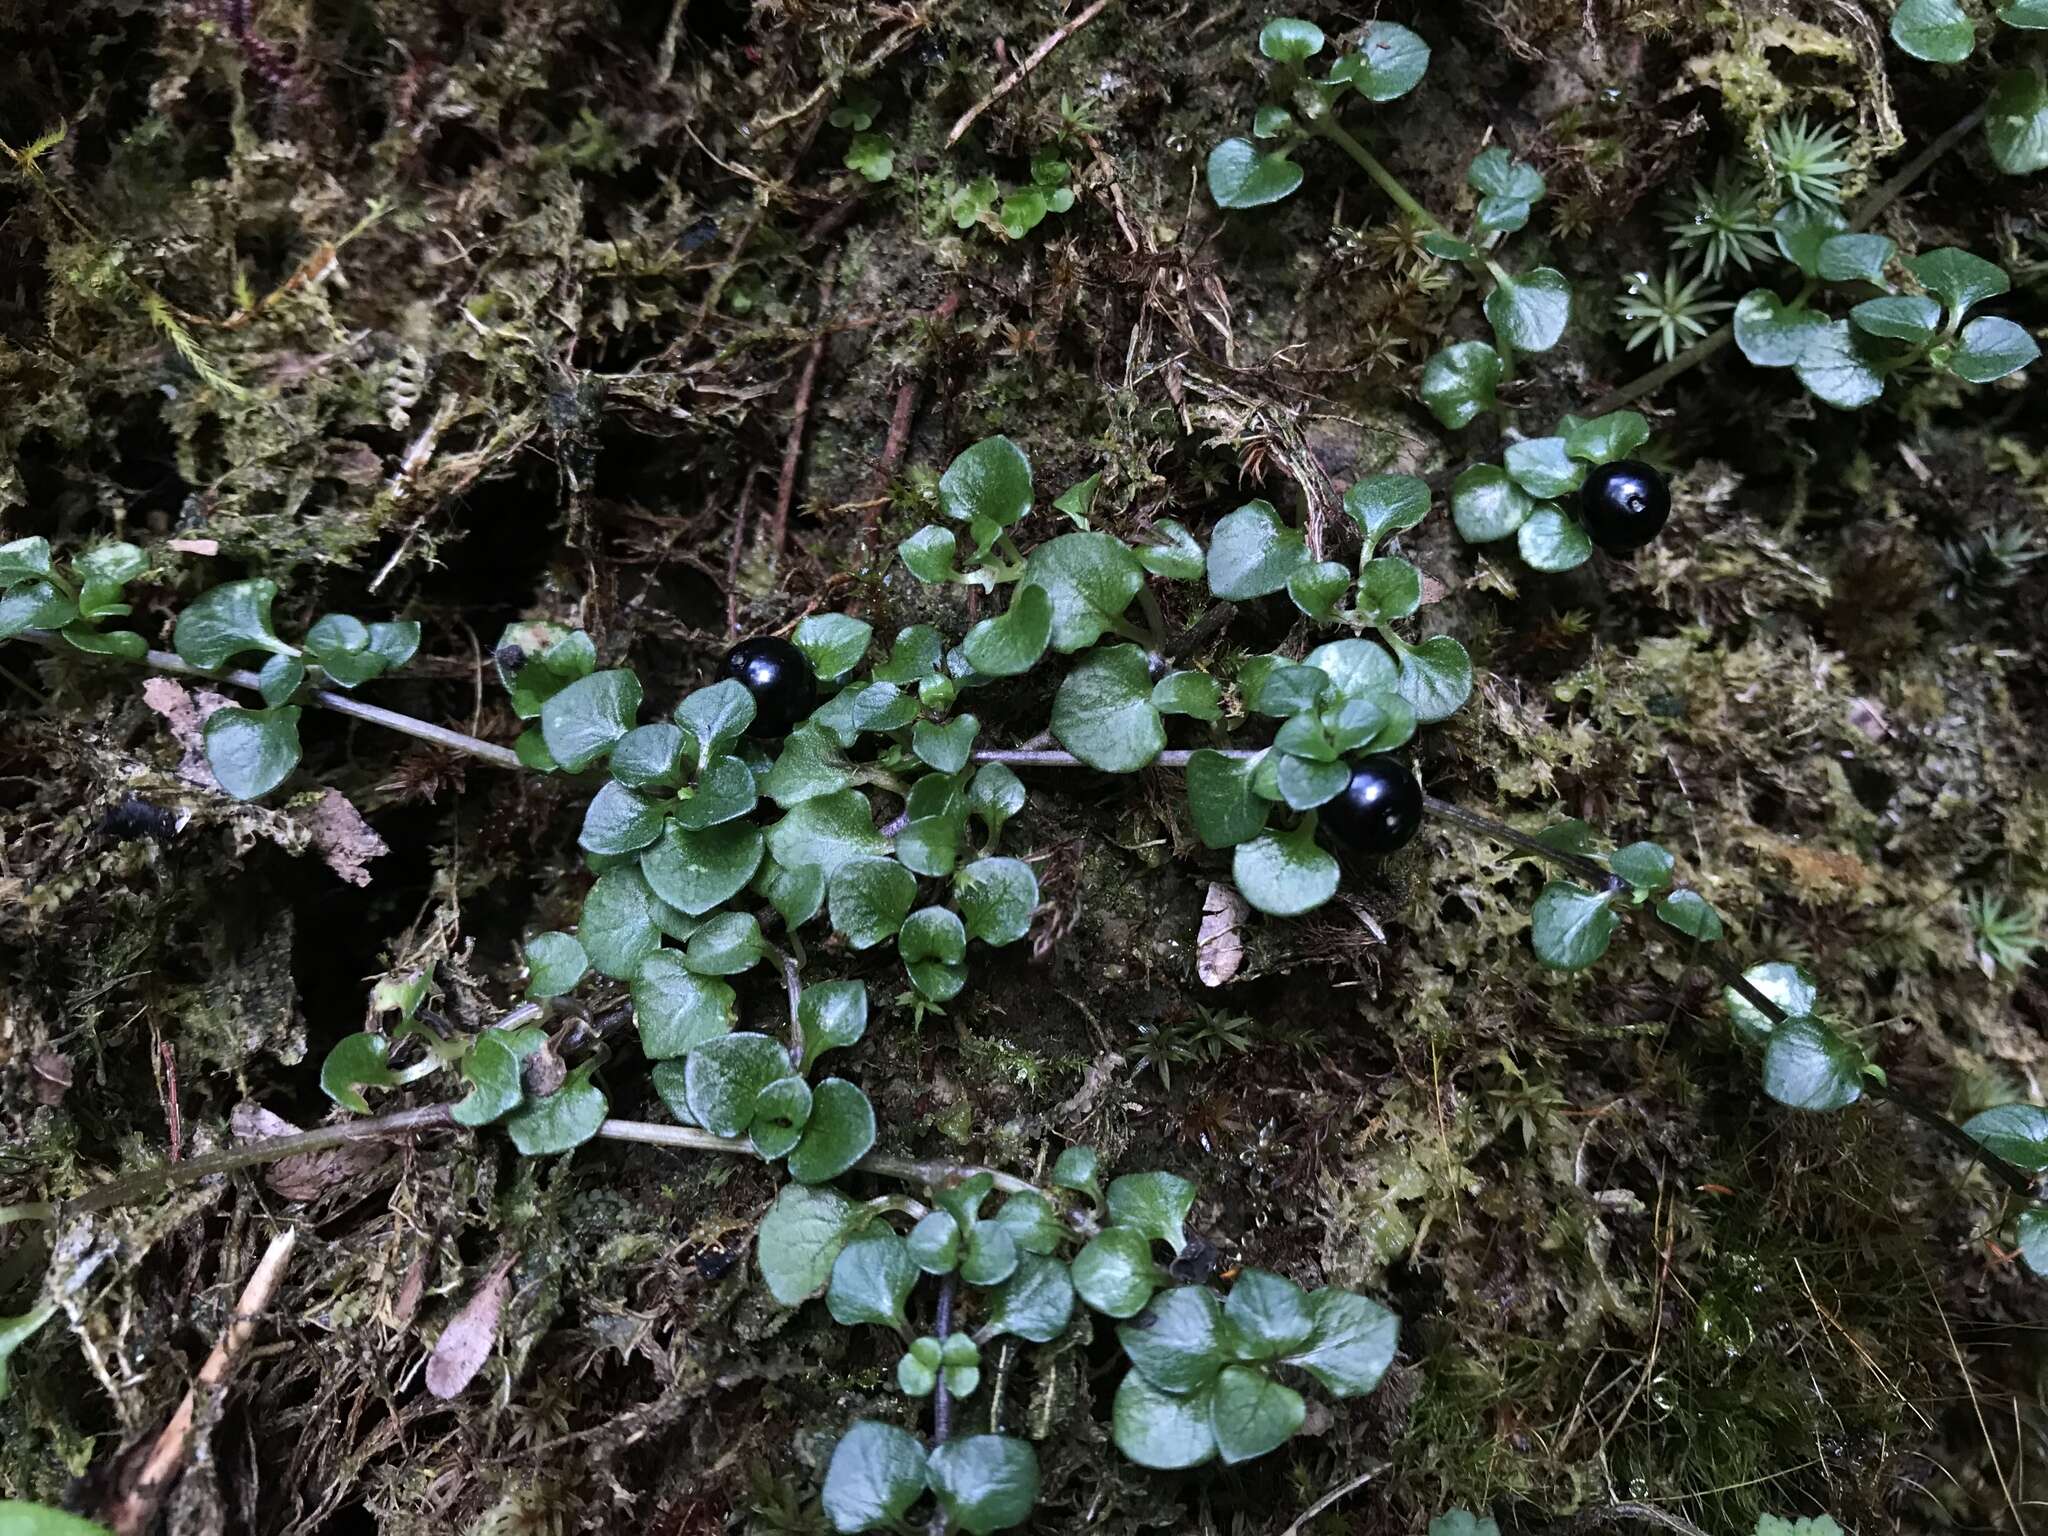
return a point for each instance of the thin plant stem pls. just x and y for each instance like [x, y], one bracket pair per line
[1155, 620]
[1383, 178]
[942, 1400]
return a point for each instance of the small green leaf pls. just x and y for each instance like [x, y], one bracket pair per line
[1178, 1343]
[1271, 122]
[725, 944]
[1542, 467]
[869, 154]
[1389, 63]
[871, 1279]
[1958, 279]
[868, 898]
[647, 757]
[279, 678]
[1551, 540]
[1689, 913]
[876, 1473]
[2029, 15]
[1458, 383]
[227, 622]
[724, 1076]
[991, 1255]
[1290, 40]
[677, 1010]
[1194, 694]
[1356, 669]
[566, 1118]
[1284, 873]
[2033, 1222]
[1251, 1413]
[1809, 1066]
[20, 1519]
[1645, 866]
[1091, 579]
[1155, 1205]
[1115, 1273]
[1278, 686]
[1175, 553]
[713, 719]
[984, 1483]
[933, 943]
[810, 764]
[1802, 229]
[945, 747]
[1510, 187]
[1221, 804]
[840, 1132]
[555, 962]
[1103, 712]
[1075, 1169]
[2016, 123]
[928, 554]
[1159, 1430]
[800, 1239]
[1350, 1344]
[581, 722]
[1990, 348]
[491, 1068]
[1570, 926]
[1604, 439]
[831, 1015]
[123, 643]
[1032, 1222]
[989, 483]
[1078, 500]
[618, 929]
[929, 845]
[27, 559]
[619, 821]
[1011, 644]
[1855, 258]
[1252, 553]
[695, 871]
[1243, 176]
[1316, 588]
[1780, 981]
[724, 791]
[1529, 312]
[1839, 367]
[1898, 317]
[833, 643]
[996, 898]
[1304, 783]
[1775, 335]
[1270, 1313]
[934, 1243]
[252, 751]
[1435, 678]
[1938, 31]
[798, 895]
[356, 1062]
[1487, 504]
[1034, 1304]
[2016, 1132]
[1382, 505]
[826, 832]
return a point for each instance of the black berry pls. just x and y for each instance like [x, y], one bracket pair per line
[780, 678]
[1624, 504]
[1379, 810]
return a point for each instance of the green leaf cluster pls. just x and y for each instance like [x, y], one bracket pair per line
[1526, 496]
[75, 602]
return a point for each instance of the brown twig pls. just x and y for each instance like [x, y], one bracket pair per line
[732, 558]
[793, 450]
[139, 1503]
[900, 421]
[1016, 76]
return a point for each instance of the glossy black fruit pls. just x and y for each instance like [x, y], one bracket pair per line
[1624, 504]
[1379, 810]
[780, 678]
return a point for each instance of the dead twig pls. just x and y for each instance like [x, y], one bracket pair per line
[139, 1503]
[1016, 76]
[793, 451]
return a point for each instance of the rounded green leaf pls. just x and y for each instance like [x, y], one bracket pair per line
[676, 1010]
[876, 1473]
[1386, 504]
[1357, 669]
[996, 898]
[1603, 439]
[1156, 1429]
[871, 1280]
[1838, 366]
[695, 871]
[618, 928]
[225, 622]
[1645, 866]
[1459, 382]
[1809, 1066]
[1318, 587]
[1801, 230]
[1243, 176]
[252, 751]
[1487, 504]
[831, 1016]
[725, 791]
[715, 718]
[1854, 258]
[1305, 784]
[1252, 553]
[1510, 188]
[1176, 554]
[723, 1077]
[2033, 1223]
[1091, 579]
[1689, 913]
[947, 747]
[1990, 348]
[825, 832]
[991, 1255]
[867, 900]
[1784, 983]
[1194, 694]
[1528, 312]
[2016, 1132]
[1899, 317]
[928, 554]
[1389, 63]
[780, 1113]
[1251, 1414]
[1035, 1303]
[984, 1482]
[1435, 678]
[840, 1132]
[1221, 804]
[1270, 1314]
[1103, 712]
[1958, 279]
[1351, 1342]
[800, 1239]
[1938, 31]
[555, 962]
[1571, 926]
[1284, 873]
[566, 1118]
[1552, 541]
[279, 678]
[26, 559]
[1290, 39]
[1542, 467]
[929, 845]
[1154, 1205]
[1114, 1273]
[581, 722]
[1011, 643]
[725, 945]
[1274, 685]
[618, 820]
[934, 1243]
[2016, 123]
[647, 757]
[1177, 1343]
[933, 943]
[356, 1062]
[989, 483]
[810, 764]
[833, 643]
[1772, 334]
